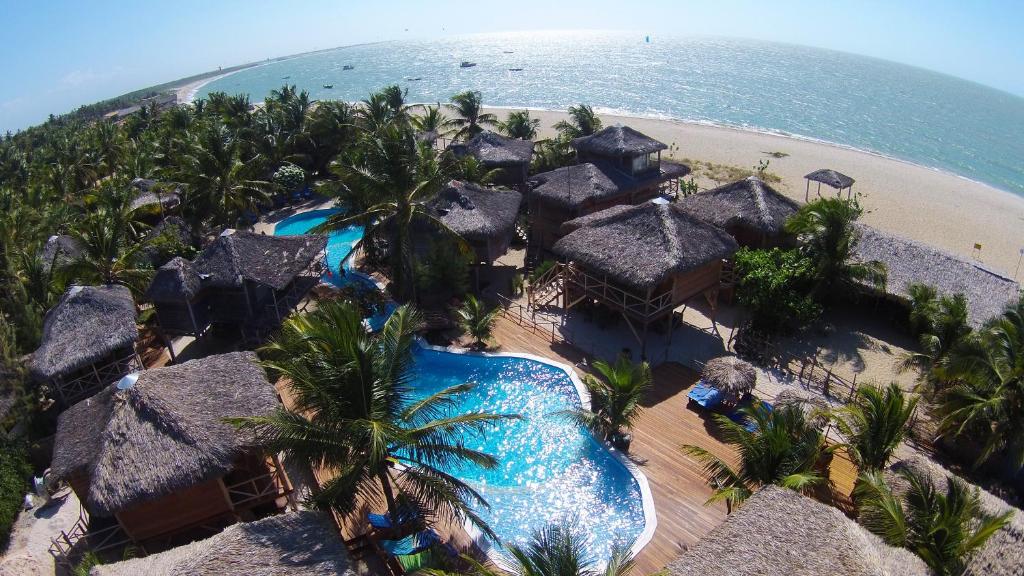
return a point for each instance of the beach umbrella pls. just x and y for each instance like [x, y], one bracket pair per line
[729, 374]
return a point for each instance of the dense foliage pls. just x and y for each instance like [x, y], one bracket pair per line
[15, 472]
[775, 287]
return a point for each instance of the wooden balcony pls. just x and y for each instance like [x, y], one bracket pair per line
[95, 378]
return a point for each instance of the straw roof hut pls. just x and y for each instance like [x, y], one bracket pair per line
[618, 141]
[988, 292]
[729, 374]
[88, 325]
[298, 544]
[164, 434]
[152, 193]
[831, 178]
[642, 246]
[749, 209]
[575, 186]
[59, 251]
[484, 217]
[1003, 554]
[497, 151]
[780, 532]
[273, 261]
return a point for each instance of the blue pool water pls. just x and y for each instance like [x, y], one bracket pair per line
[550, 468]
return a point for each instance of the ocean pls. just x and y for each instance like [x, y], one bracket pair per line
[866, 103]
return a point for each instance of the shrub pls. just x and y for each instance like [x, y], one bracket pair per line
[541, 269]
[290, 177]
[445, 272]
[15, 472]
[775, 286]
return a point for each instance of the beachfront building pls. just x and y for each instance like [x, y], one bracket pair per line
[780, 532]
[299, 544]
[484, 217]
[88, 342]
[509, 157]
[831, 178]
[908, 261]
[641, 261]
[617, 165]
[748, 209]
[152, 459]
[242, 279]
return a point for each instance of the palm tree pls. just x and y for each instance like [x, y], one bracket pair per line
[433, 120]
[985, 397]
[924, 306]
[943, 529]
[519, 125]
[826, 233]
[555, 550]
[331, 129]
[783, 448]
[469, 169]
[475, 318]
[582, 122]
[615, 398]
[469, 106]
[942, 323]
[354, 414]
[874, 424]
[387, 184]
[110, 253]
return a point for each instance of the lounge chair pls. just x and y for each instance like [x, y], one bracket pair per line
[705, 396]
[413, 544]
[403, 517]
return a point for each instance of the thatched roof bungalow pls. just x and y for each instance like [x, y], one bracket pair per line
[484, 217]
[59, 251]
[509, 156]
[780, 532]
[1003, 554]
[298, 544]
[617, 165]
[88, 342]
[749, 209]
[908, 261]
[242, 279]
[643, 261]
[152, 456]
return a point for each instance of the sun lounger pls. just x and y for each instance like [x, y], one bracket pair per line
[384, 522]
[413, 544]
[706, 396]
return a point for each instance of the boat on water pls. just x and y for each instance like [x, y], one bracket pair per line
[348, 67]
[285, 77]
[515, 69]
[413, 79]
[328, 86]
[467, 64]
[508, 51]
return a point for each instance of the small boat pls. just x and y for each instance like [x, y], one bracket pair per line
[348, 67]
[467, 64]
[515, 69]
[328, 86]
[508, 52]
[413, 79]
[285, 77]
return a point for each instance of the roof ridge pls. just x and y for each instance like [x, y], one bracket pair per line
[760, 201]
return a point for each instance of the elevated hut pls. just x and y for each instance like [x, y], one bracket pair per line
[88, 342]
[908, 261]
[643, 261]
[59, 251]
[749, 209]
[484, 217]
[301, 544]
[617, 165]
[151, 456]
[250, 281]
[160, 197]
[509, 156]
[831, 178]
[780, 532]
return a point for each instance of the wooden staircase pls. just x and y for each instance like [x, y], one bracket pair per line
[547, 287]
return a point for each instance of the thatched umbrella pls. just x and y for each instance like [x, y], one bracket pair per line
[730, 375]
[831, 178]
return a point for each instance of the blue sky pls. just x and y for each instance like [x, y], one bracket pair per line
[59, 54]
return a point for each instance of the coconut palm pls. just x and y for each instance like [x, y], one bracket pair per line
[519, 125]
[354, 414]
[782, 448]
[985, 395]
[582, 122]
[826, 233]
[433, 120]
[615, 396]
[874, 424]
[331, 130]
[469, 169]
[943, 529]
[110, 252]
[476, 319]
[942, 324]
[469, 107]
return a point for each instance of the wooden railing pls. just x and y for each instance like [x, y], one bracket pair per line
[546, 286]
[251, 491]
[70, 391]
[526, 318]
[599, 287]
[807, 370]
[67, 547]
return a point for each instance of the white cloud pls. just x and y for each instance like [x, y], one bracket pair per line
[86, 77]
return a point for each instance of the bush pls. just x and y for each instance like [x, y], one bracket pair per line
[445, 273]
[775, 286]
[541, 269]
[15, 472]
[168, 244]
[290, 177]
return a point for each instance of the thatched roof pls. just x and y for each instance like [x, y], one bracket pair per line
[988, 292]
[832, 178]
[617, 141]
[163, 434]
[643, 245]
[495, 150]
[87, 324]
[750, 204]
[171, 225]
[780, 532]
[273, 261]
[730, 374]
[1003, 554]
[151, 192]
[813, 406]
[295, 544]
[59, 251]
[572, 186]
[476, 212]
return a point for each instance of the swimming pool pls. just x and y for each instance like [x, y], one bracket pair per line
[549, 468]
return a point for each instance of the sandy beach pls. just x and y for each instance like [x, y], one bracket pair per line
[925, 204]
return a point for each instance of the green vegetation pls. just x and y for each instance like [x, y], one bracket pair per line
[940, 324]
[519, 125]
[15, 473]
[874, 425]
[476, 319]
[471, 119]
[615, 395]
[724, 173]
[774, 286]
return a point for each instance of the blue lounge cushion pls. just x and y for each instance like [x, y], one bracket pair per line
[418, 542]
[707, 396]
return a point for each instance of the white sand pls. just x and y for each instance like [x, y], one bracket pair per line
[928, 205]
